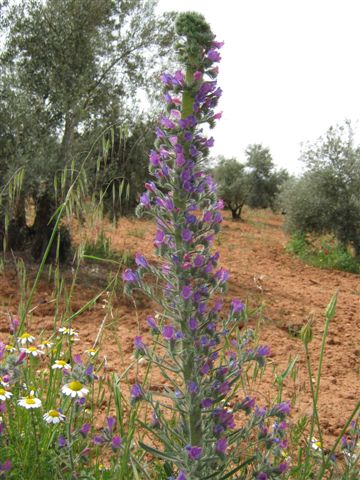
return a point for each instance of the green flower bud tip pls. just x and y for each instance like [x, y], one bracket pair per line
[194, 27]
[331, 308]
[306, 332]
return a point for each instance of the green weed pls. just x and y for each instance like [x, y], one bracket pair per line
[324, 253]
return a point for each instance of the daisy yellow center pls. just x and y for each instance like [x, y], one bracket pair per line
[76, 386]
[29, 400]
[25, 335]
[54, 413]
[61, 362]
[9, 347]
[32, 349]
[2, 391]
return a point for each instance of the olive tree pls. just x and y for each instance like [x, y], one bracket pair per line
[233, 185]
[326, 199]
[67, 67]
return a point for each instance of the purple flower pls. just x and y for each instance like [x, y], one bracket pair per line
[197, 75]
[98, 440]
[111, 422]
[77, 359]
[222, 275]
[159, 133]
[260, 412]
[204, 369]
[181, 476]
[194, 452]
[217, 44]
[139, 344]
[2, 349]
[180, 159]
[206, 403]
[144, 199]
[283, 467]
[6, 466]
[14, 324]
[150, 186]
[237, 306]
[85, 429]
[213, 55]
[167, 123]
[221, 446]
[193, 388]
[136, 392]
[159, 238]
[186, 292]
[282, 408]
[89, 371]
[141, 261]
[218, 217]
[169, 204]
[152, 324]
[207, 217]
[21, 358]
[179, 77]
[193, 324]
[116, 442]
[79, 401]
[247, 404]
[262, 476]
[166, 78]
[186, 235]
[262, 351]
[188, 136]
[223, 388]
[154, 158]
[129, 276]
[198, 261]
[175, 113]
[62, 441]
[168, 332]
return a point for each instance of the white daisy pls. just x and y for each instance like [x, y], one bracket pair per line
[46, 345]
[53, 416]
[91, 352]
[4, 394]
[61, 364]
[26, 338]
[30, 401]
[34, 351]
[74, 389]
[10, 348]
[315, 444]
[68, 331]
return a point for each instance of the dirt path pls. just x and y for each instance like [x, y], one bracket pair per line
[262, 273]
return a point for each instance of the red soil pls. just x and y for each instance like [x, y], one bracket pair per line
[262, 273]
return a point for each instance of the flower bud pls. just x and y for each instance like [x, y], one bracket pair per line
[306, 332]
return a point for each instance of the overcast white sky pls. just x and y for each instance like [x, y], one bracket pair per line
[290, 69]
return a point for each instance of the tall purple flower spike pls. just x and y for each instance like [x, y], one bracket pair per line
[182, 200]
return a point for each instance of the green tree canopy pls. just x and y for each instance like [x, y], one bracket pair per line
[264, 179]
[69, 69]
[327, 198]
[233, 185]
